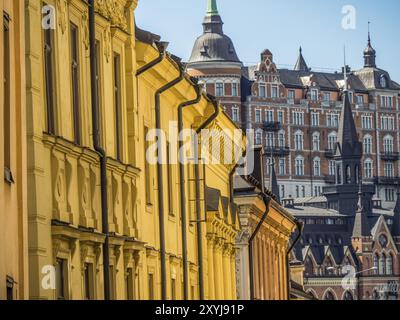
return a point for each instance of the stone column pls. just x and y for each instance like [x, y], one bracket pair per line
[261, 266]
[227, 272]
[232, 257]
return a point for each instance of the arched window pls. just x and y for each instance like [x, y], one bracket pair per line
[299, 166]
[299, 140]
[388, 144]
[368, 168]
[317, 166]
[348, 296]
[332, 139]
[376, 267]
[348, 174]
[367, 143]
[382, 263]
[329, 296]
[389, 265]
[316, 141]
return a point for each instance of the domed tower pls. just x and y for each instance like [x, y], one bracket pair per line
[215, 63]
[369, 54]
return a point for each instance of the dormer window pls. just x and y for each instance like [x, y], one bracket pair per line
[383, 81]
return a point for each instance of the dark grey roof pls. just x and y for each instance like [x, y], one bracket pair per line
[371, 79]
[301, 64]
[273, 182]
[213, 45]
[146, 36]
[348, 143]
[361, 226]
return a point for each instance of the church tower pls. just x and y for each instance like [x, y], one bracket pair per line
[344, 196]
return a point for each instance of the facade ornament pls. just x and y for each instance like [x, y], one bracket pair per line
[62, 14]
[107, 43]
[85, 29]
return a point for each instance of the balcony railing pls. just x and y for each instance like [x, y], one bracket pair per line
[390, 156]
[272, 126]
[330, 179]
[277, 151]
[329, 153]
[387, 180]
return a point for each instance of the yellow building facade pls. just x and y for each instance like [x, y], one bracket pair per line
[103, 221]
[13, 208]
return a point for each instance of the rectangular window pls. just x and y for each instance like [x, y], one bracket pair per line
[327, 96]
[147, 172]
[98, 93]
[49, 78]
[88, 281]
[315, 119]
[274, 92]
[75, 82]
[235, 114]
[360, 99]
[117, 105]
[151, 286]
[7, 101]
[298, 118]
[235, 89]
[269, 115]
[263, 90]
[258, 116]
[366, 121]
[61, 279]
[291, 94]
[281, 117]
[219, 89]
[282, 167]
[130, 288]
[388, 169]
[332, 120]
[314, 94]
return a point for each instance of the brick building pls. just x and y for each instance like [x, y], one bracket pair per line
[295, 113]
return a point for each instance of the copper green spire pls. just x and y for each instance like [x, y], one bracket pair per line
[212, 9]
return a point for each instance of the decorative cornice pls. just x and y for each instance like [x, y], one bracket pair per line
[113, 10]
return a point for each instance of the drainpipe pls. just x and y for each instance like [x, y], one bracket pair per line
[156, 61]
[300, 231]
[267, 201]
[100, 151]
[183, 191]
[161, 181]
[198, 201]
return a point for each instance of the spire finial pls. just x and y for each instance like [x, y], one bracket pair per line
[369, 33]
[301, 49]
[212, 9]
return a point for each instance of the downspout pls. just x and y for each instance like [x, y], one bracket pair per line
[161, 181]
[100, 151]
[156, 61]
[183, 191]
[300, 231]
[198, 201]
[267, 201]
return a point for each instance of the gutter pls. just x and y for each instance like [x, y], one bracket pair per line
[183, 192]
[198, 201]
[100, 151]
[300, 230]
[156, 61]
[267, 201]
[161, 181]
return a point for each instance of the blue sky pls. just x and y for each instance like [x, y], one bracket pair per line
[282, 26]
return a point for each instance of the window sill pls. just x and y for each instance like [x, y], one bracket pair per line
[8, 176]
